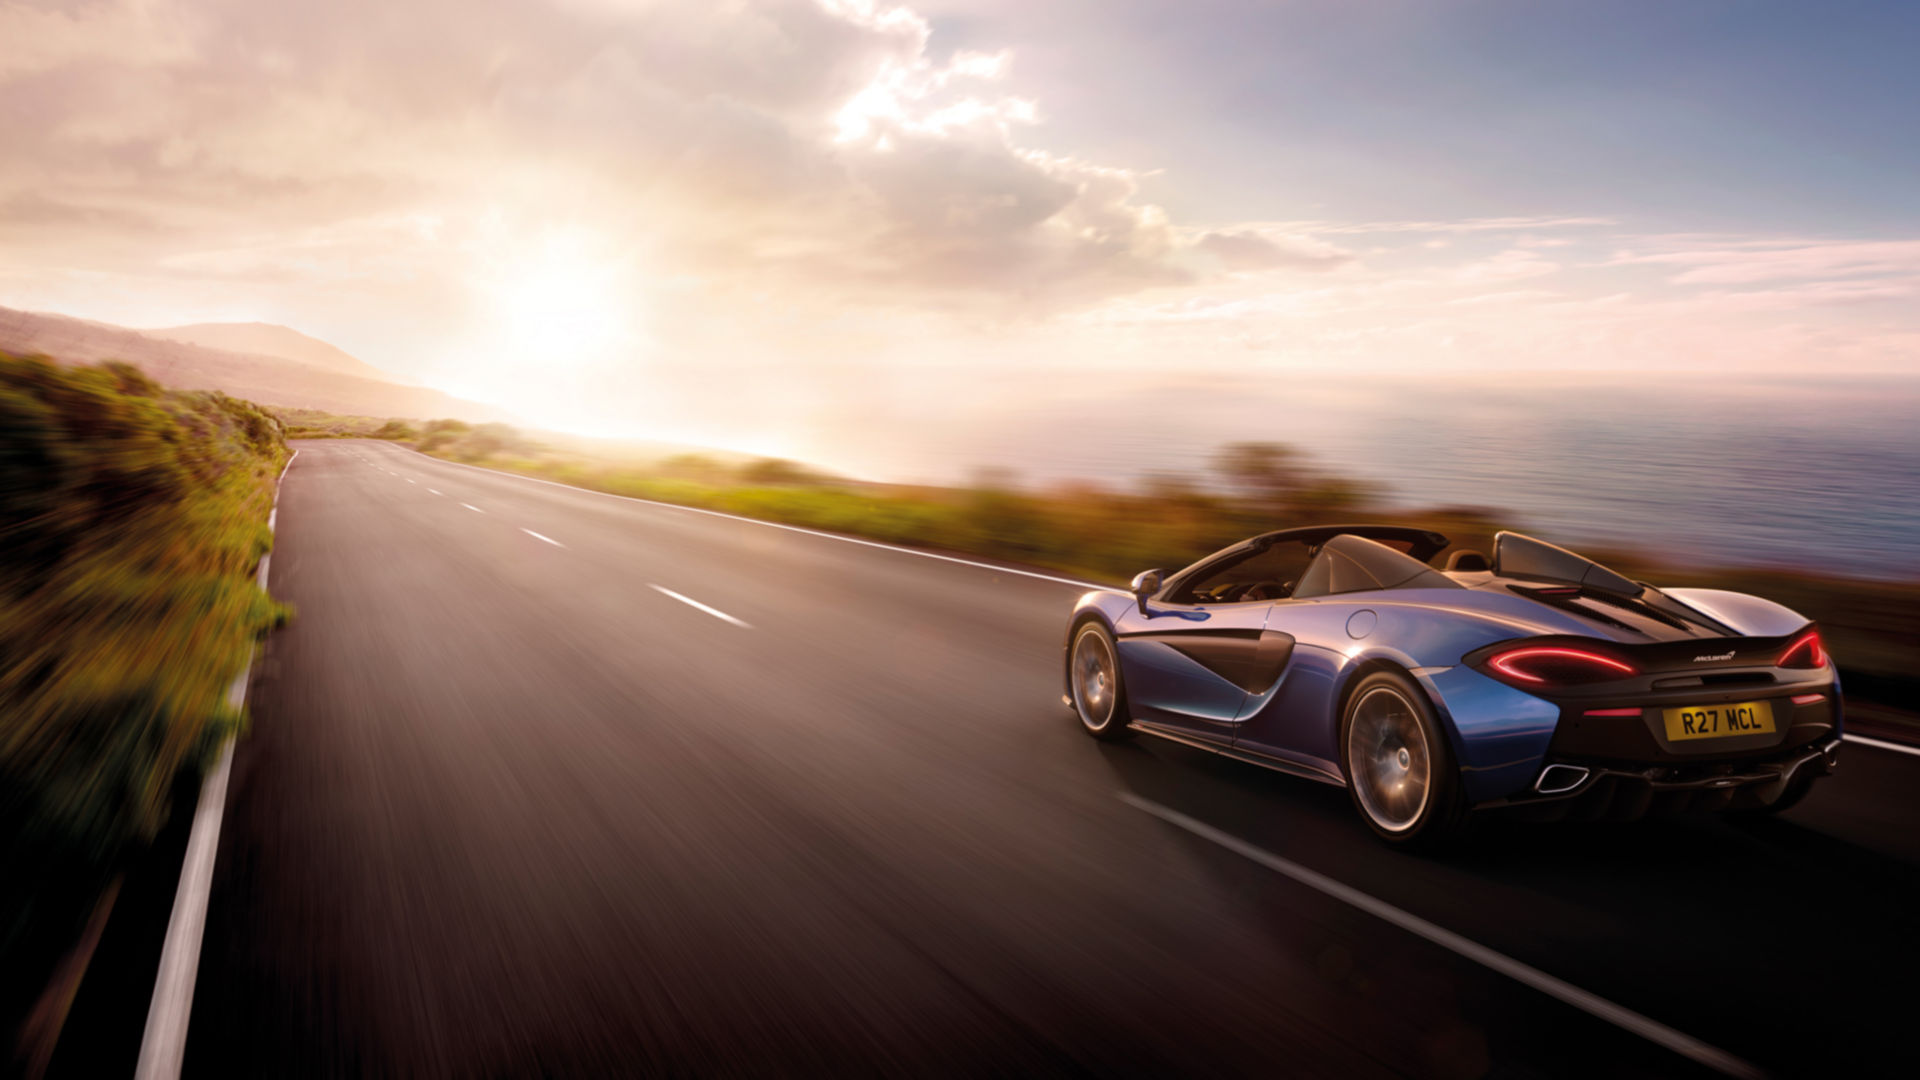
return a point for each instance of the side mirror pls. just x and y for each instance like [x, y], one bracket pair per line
[1145, 584]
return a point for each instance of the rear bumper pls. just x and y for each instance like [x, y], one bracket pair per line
[1616, 792]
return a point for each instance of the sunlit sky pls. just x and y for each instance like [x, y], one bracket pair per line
[732, 222]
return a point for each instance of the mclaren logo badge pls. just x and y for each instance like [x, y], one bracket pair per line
[1723, 656]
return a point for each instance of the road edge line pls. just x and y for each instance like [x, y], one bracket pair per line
[1592, 1004]
[163, 1044]
[1881, 744]
[1075, 582]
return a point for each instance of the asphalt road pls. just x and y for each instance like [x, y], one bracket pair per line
[508, 808]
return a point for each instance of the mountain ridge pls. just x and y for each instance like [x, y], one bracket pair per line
[272, 339]
[260, 377]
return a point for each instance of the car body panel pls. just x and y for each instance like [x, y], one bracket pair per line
[1288, 722]
[1747, 614]
[1180, 663]
[1500, 734]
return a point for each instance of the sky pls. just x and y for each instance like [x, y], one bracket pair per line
[740, 221]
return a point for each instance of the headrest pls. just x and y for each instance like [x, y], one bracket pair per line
[1467, 559]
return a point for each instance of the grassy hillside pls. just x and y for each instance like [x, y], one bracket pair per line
[131, 519]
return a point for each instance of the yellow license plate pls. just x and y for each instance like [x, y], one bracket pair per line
[1719, 721]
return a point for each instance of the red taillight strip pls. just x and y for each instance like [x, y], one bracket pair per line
[1504, 662]
[1613, 712]
[1808, 640]
[1808, 699]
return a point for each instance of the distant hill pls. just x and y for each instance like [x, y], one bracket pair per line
[267, 339]
[264, 377]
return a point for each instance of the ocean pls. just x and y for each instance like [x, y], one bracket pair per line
[1815, 472]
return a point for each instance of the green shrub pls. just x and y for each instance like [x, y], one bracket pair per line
[131, 519]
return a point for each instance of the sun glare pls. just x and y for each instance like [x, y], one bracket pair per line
[564, 303]
[558, 321]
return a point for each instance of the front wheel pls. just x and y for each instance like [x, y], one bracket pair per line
[1093, 670]
[1400, 770]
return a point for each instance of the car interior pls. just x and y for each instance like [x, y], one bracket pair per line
[1346, 563]
[1268, 574]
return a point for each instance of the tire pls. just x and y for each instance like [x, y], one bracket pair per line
[1093, 675]
[1400, 768]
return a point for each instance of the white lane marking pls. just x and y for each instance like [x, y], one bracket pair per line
[473, 508]
[163, 1045]
[537, 536]
[1882, 744]
[1076, 583]
[692, 603]
[412, 481]
[1652, 1030]
[434, 490]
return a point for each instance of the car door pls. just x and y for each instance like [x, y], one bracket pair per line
[1193, 654]
[1180, 663]
[1287, 721]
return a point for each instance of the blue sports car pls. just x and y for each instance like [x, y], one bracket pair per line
[1536, 679]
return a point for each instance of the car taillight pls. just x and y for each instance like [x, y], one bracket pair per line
[1556, 665]
[1805, 652]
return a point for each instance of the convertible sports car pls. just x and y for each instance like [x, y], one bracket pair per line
[1536, 680]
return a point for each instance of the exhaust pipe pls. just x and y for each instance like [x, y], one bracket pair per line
[1560, 779]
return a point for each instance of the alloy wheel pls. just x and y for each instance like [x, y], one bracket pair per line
[1095, 679]
[1390, 763]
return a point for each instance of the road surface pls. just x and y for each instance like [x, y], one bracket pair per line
[546, 782]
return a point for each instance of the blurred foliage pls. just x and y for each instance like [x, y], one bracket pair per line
[1167, 521]
[314, 424]
[476, 442]
[131, 520]
[439, 433]
[1079, 527]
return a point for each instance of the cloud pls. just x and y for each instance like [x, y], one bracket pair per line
[1467, 225]
[118, 32]
[1513, 264]
[1751, 261]
[767, 190]
[1252, 250]
[790, 143]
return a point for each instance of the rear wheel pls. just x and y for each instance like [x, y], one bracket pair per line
[1093, 672]
[1400, 769]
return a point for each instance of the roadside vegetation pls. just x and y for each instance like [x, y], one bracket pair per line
[131, 520]
[1109, 534]
[313, 424]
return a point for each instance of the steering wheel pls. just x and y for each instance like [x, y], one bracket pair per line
[1264, 590]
